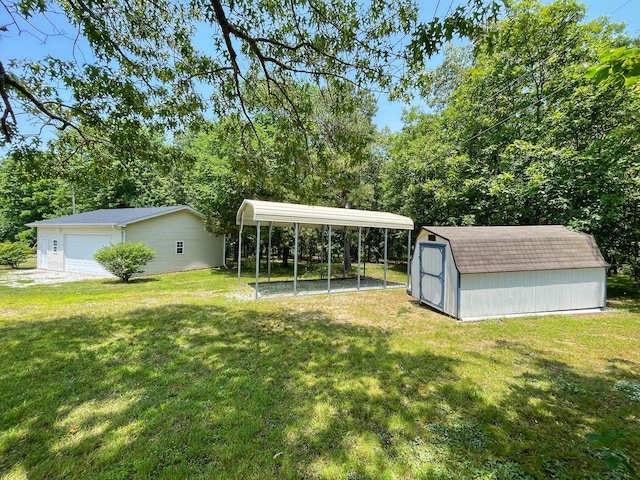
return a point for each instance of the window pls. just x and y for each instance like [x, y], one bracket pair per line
[180, 247]
[54, 246]
[431, 237]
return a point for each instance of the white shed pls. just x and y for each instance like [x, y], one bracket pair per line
[482, 272]
[176, 233]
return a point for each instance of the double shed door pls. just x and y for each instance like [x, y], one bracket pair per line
[432, 257]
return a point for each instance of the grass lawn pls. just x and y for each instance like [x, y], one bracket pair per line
[175, 377]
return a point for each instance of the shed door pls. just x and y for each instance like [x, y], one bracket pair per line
[432, 274]
[43, 253]
[79, 251]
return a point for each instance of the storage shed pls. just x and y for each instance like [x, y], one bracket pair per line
[176, 233]
[482, 272]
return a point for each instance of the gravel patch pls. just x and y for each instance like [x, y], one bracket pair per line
[311, 287]
[27, 278]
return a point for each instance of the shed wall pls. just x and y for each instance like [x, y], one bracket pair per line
[496, 294]
[201, 249]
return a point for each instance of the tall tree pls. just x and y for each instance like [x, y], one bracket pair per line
[529, 139]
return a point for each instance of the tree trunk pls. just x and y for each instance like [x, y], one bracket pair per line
[347, 253]
[285, 256]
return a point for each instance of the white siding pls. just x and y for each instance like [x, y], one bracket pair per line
[55, 260]
[201, 249]
[511, 293]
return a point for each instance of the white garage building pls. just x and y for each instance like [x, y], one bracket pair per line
[482, 272]
[177, 234]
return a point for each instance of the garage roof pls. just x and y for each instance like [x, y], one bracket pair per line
[287, 214]
[120, 217]
[521, 248]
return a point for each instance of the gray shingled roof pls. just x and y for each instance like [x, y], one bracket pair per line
[522, 248]
[115, 216]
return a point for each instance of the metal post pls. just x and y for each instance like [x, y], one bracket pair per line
[295, 260]
[359, 253]
[386, 231]
[269, 254]
[224, 250]
[240, 246]
[329, 263]
[408, 258]
[257, 256]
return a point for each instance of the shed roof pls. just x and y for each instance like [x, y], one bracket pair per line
[520, 248]
[287, 214]
[120, 217]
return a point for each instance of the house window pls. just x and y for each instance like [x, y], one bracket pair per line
[432, 237]
[54, 246]
[179, 247]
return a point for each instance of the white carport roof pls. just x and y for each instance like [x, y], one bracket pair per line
[288, 214]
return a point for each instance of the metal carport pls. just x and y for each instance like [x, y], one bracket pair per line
[260, 213]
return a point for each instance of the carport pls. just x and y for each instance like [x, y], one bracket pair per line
[261, 213]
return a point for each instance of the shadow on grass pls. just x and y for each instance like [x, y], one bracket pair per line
[214, 392]
[623, 291]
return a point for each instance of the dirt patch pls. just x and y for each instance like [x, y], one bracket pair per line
[27, 278]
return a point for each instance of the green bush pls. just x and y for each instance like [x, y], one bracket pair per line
[14, 253]
[125, 259]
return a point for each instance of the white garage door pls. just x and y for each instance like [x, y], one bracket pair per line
[79, 250]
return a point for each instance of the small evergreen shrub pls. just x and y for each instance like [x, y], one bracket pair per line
[14, 253]
[125, 259]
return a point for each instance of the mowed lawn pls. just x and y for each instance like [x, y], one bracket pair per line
[176, 376]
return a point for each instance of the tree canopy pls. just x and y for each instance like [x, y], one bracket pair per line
[166, 64]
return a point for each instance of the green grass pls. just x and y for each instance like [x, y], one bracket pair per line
[173, 377]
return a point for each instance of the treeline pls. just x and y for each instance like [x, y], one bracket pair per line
[515, 134]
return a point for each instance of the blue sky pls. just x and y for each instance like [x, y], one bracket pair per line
[627, 11]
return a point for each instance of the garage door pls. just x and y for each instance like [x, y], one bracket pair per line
[79, 250]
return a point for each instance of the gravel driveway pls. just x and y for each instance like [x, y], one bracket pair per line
[27, 278]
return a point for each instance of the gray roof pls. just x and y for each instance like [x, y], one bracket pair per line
[116, 216]
[522, 248]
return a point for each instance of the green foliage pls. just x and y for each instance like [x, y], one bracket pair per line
[14, 253]
[144, 67]
[125, 259]
[619, 66]
[632, 389]
[613, 458]
[519, 136]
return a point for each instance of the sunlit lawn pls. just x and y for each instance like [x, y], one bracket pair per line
[176, 376]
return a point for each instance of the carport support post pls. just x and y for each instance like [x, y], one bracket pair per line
[269, 254]
[257, 256]
[295, 259]
[240, 246]
[386, 233]
[359, 253]
[408, 256]
[329, 263]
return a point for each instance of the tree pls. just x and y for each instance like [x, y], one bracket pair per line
[125, 259]
[13, 254]
[143, 65]
[521, 137]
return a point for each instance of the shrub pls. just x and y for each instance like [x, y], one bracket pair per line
[125, 259]
[14, 253]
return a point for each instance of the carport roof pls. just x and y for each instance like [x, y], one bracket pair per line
[288, 214]
[120, 217]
